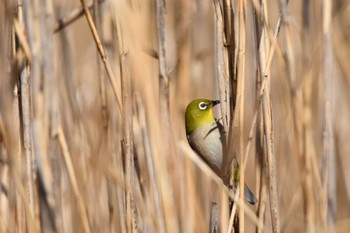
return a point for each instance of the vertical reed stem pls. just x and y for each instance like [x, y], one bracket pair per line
[240, 105]
[329, 160]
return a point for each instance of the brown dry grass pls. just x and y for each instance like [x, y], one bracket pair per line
[92, 105]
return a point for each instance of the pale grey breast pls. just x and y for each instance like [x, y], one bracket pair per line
[206, 141]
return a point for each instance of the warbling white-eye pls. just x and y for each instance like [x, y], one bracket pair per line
[205, 134]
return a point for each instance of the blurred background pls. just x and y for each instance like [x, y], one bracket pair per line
[92, 104]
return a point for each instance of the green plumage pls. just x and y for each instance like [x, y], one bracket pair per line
[205, 136]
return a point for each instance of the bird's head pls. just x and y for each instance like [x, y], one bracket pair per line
[198, 113]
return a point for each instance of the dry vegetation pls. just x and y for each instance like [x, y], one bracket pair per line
[92, 101]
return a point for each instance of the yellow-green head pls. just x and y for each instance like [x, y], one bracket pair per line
[198, 113]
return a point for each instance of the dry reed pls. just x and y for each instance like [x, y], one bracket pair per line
[92, 101]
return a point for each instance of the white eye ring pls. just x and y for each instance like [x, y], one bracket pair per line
[202, 106]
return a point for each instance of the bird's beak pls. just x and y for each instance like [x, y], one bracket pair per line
[215, 102]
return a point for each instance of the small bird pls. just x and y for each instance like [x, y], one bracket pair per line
[205, 134]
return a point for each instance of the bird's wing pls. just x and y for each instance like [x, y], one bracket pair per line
[247, 192]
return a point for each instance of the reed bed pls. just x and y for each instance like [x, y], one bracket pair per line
[92, 103]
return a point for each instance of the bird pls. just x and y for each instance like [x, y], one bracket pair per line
[205, 135]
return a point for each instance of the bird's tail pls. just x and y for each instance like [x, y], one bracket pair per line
[249, 195]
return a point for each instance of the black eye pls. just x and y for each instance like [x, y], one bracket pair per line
[202, 106]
